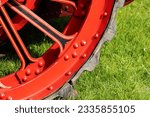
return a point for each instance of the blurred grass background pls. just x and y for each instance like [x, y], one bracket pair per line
[124, 68]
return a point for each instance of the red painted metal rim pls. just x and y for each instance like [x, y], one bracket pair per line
[88, 22]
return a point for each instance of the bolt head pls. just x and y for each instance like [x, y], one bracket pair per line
[75, 46]
[37, 72]
[74, 55]
[28, 72]
[97, 36]
[2, 95]
[50, 88]
[69, 73]
[41, 64]
[66, 57]
[105, 14]
[83, 43]
[24, 79]
[84, 56]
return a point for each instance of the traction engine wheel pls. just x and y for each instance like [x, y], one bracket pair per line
[74, 50]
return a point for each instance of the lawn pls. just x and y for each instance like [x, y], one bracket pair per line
[124, 68]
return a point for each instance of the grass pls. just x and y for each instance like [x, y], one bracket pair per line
[124, 68]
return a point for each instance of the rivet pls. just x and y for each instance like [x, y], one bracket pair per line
[24, 79]
[41, 64]
[83, 43]
[75, 46]
[84, 56]
[37, 72]
[50, 88]
[28, 72]
[68, 74]
[2, 95]
[97, 36]
[74, 55]
[105, 14]
[9, 98]
[66, 57]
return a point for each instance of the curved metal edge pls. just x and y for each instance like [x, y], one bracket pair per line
[67, 91]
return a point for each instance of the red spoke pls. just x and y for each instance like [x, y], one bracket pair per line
[38, 22]
[27, 56]
[13, 43]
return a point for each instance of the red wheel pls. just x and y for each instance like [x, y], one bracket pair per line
[92, 23]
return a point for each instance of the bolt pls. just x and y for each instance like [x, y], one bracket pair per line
[68, 74]
[37, 72]
[84, 56]
[105, 14]
[74, 55]
[66, 57]
[24, 79]
[28, 72]
[75, 46]
[97, 36]
[41, 64]
[2, 95]
[50, 88]
[83, 43]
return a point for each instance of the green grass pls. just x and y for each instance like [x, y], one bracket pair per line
[124, 68]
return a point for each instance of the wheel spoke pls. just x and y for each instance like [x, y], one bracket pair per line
[15, 39]
[13, 43]
[43, 26]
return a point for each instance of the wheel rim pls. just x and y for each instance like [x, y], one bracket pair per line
[40, 77]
